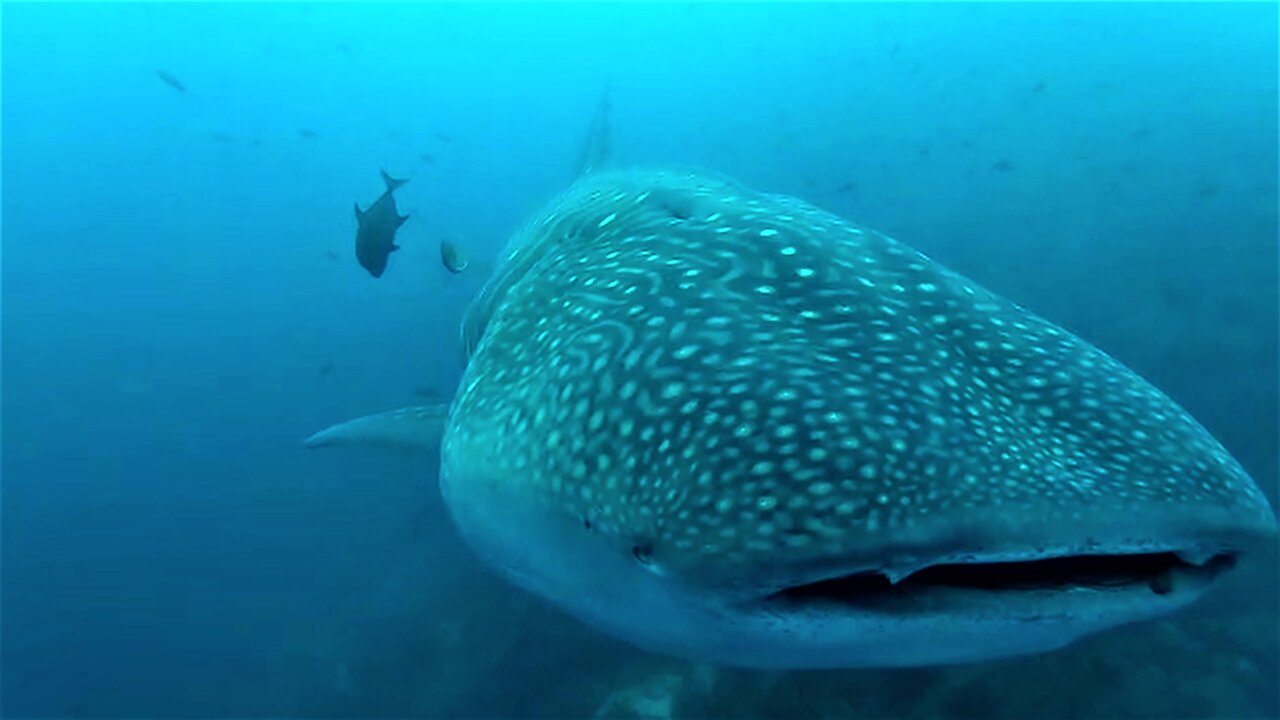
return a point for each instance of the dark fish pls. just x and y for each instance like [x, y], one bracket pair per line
[1142, 132]
[847, 187]
[376, 231]
[223, 137]
[171, 81]
[452, 258]
[326, 368]
[427, 393]
[333, 255]
[443, 138]
[1002, 165]
[307, 134]
[1039, 87]
[427, 159]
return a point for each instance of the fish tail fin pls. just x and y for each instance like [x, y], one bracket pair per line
[392, 183]
[401, 220]
[359, 212]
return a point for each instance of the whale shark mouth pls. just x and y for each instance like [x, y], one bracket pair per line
[1156, 570]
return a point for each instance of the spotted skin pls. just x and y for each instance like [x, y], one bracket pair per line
[710, 371]
[742, 391]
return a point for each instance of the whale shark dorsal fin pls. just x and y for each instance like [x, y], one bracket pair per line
[419, 426]
[597, 149]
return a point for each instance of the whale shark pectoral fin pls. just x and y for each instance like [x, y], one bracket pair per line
[419, 426]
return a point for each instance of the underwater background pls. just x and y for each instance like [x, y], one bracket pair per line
[182, 305]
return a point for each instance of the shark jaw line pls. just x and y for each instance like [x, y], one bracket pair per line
[1160, 572]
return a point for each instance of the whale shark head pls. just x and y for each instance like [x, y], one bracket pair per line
[730, 426]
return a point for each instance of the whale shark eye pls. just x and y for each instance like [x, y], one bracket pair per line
[676, 211]
[643, 553]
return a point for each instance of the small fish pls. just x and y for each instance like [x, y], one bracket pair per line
[333, 255]
[1002, 165]
[1208, 188]
[427, 159]
[847, 187]
[377, 226]
[427, 393]
[443, 138]
[452, 257]
[307, 134]
[223, 137]
[171, 81]
[326, 369]
[1039, 87]
[135, 386]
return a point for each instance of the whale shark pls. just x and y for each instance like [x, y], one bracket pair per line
[730, 426]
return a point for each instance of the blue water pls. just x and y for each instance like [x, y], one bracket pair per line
[181, 305]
